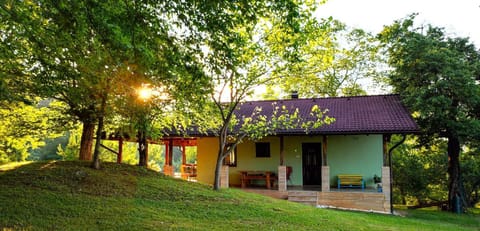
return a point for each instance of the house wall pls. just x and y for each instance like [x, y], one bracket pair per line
[346, 154]
[247, 161]
[352, 154]
[207, 151]
[358, 154]
[293, 155]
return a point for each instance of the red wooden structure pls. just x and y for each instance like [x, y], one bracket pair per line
[169, 143]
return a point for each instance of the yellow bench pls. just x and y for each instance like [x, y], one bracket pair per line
[351, 181]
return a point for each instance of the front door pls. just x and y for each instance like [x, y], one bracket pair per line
[312, 163]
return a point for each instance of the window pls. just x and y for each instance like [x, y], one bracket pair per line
[262, 149]
[231, 159]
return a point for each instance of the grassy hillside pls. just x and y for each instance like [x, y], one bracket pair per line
[71, 196]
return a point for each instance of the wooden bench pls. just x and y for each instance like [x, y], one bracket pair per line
[247, 176]
[351, 181]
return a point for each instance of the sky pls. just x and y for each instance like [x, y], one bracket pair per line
[460, 18]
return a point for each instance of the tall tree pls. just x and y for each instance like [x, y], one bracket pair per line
[334, 61]
[250, 52]
[436, 77]
[61, 54]
[73, 51]
[141, 110]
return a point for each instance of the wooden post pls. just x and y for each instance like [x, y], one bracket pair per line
[168, 168]
[325, 167]
[170, 152]
[166, 143]
[386, 139]
[120, 150]
[324, 151]
[184, 156]
[282, 151]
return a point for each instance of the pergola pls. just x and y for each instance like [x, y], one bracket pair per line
[169, 142]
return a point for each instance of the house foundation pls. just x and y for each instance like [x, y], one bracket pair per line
[360, 201]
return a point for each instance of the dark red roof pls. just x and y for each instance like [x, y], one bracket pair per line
[353, 115]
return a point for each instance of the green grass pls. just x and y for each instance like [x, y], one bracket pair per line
[72, 196]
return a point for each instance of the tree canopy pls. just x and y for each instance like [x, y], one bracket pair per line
[253, 53]
[436, 77]
[77, 51]
[23, 128]
[81, 52]
[333, 60]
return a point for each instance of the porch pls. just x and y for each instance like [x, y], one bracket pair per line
[368, 200]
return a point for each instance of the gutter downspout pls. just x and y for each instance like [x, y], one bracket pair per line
[390, 166]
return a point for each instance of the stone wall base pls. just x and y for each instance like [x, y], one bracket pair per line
[325, 178]
[224, 176]
[282, 178]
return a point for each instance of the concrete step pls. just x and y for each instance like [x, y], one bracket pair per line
[304, 197]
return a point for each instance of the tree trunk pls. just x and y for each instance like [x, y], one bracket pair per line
[101, 117]
[86, 141]
[96, 153]
[456, 194]
[222, 142]
[142, 149]
[218, 168]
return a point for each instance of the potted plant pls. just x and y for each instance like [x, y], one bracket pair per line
[378, 180]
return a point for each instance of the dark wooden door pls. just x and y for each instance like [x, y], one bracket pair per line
[312, 163]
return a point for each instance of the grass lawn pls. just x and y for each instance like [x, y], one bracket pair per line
[72, 196]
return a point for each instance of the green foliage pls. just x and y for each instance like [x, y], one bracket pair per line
[50, 150]
[90, 54]
[420, 173]
[72, 196]
[429, 69]
[191, 153]
[70, 150]
[247, 54]
[129, 152]
[333, 60]
[471, 170]
[81, 52]
[258, 125]
[24, 128]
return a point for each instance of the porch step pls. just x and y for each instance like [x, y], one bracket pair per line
[304, 197]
